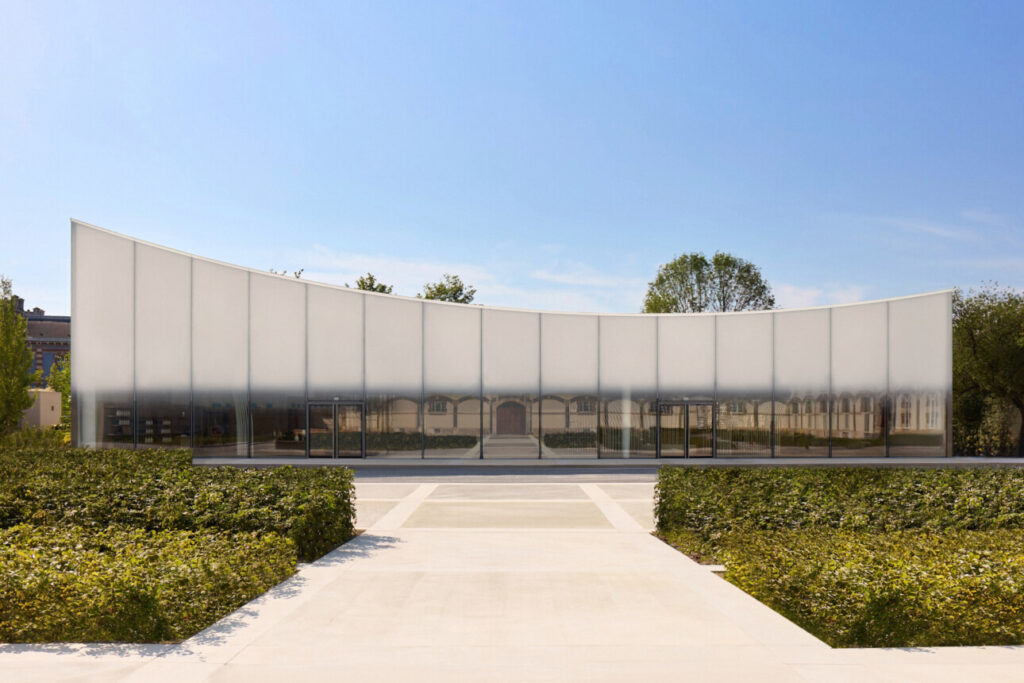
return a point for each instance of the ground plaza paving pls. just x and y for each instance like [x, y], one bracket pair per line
[497, 576]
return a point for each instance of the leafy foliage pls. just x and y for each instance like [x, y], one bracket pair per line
[369, 283]
[80, 584]
[988, 371]
[60, 380]
[449, 288]
[16, 362]
[862, 556]
[692, 283]
[905, 588]
[159, 490]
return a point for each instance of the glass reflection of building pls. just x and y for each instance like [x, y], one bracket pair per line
[173, 350]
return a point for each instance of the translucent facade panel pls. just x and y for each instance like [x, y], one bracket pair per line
[451, 348]
[801, 375]
[163, 329]
[568, 353]
[394, 346]
[335, 343]
[629, 355]
[277, 366]
[103, 348]
[511, 367]
[744, 358]
[686, 356]
[220, 358]
[859, 357]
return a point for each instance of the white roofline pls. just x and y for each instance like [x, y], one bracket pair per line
[493, 308]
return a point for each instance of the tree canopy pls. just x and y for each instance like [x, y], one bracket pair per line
[692, 283]
[988, 363]
[368, 283]
[16, 361]
[449, 288]
[60, 380]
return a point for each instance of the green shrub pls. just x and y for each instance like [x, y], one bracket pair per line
[159, 490]
[905, 588]
[123, 584]
[715, 500]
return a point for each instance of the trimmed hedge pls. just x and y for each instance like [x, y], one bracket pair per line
[713, 501]
[123, 584]
[904, 588]
[162, 490]
[862, 556]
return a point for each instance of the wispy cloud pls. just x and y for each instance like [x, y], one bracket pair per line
[586, 277]
[795, 296]
[989, 218]
[930, 228]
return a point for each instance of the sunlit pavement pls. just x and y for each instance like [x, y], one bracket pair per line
[505, 577]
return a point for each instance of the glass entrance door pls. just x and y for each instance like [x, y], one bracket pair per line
[685, 430]
[335, 430]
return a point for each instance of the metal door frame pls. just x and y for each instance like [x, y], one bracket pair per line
[334, 432]
[685, 405]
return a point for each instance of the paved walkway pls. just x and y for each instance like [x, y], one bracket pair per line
[538, 577]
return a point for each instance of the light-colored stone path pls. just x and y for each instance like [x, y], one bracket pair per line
[504, 578]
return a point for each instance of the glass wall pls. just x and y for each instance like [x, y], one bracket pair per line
[175, 350]
[394, 377]
[743, 358]
[801, 383]
[629, 386]
[163, 322]
[859, 402]
[277, 372]
[451, 380]
[511, 379]
[569, 380]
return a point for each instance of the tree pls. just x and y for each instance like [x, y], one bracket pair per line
[369, 283]
[988, 358]
[60, 380]
[295, 273]
[691, 284]
[449, 288]
[16, 361]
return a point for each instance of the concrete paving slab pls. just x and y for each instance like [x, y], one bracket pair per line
[503, 491]
[508, 515]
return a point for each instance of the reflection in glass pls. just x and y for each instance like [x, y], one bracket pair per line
[510, 427]
[278, 426]
[859, 423]
[321, 430]
[628, 428]
[107, 418]
[744, 427]
[452, 425]
[569, 426]
[221, 425]
[918, 424]
[801, 426]
[164, 420]
[393, 427]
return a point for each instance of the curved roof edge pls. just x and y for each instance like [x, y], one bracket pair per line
[496, 308]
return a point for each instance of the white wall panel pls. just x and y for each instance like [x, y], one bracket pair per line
[335, 342]
[801, 352]
[744, 342]
[162, 319]
[859, 348]
[629, 355]
[451, 348]
[568, 353]
[394, 346]
[220, 328]
[102, 317]
[277, 335]
[920, 344]
[510, 352]
[686, 355]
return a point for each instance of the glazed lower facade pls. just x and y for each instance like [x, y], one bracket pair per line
[174, 350]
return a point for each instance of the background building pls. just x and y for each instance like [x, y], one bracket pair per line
[172, 349]
[49, 336]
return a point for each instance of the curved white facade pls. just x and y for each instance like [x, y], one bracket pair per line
[176, 350]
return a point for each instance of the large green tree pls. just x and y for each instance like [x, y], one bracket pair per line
[988, 361]
[16, 361]
[449, 288]
[369, 283]
[693, 283]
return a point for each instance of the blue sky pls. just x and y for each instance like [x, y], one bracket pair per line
[553, 154]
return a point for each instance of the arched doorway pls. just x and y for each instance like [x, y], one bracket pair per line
[510, 418]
